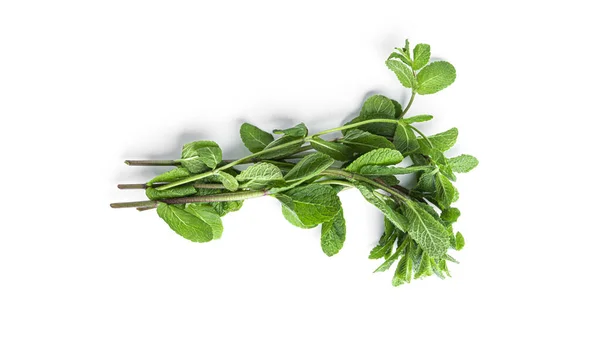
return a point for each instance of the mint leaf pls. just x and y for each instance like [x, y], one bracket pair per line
[308, 206]
[175, 192]
[404, 74]
[405, 140]
[382, 249]
[444, 190]
[336, 151]
[388, 211]
[463, 163]
[363, 141]
[299, 130]
[460, 241]
[209, 215]
[421, 55]
[207, 151]
[389, 261]
[260, 175]
[254, 138]
[435, 77]
[403, 272]
[443, 141]
[417, 119]
[185, 223]
[373, 170]
[402, 56]
[307, 168]
[424, 269]
[450, 215]
[172, 175]
[333, 234]
[425, 229]
[378, 107]
[228, 181]
[397, 108]
[281, 152]
[193, 164]
[376, 157]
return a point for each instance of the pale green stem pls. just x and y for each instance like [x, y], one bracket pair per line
[353, 125]
[412, 98]
[222, 197]
[422, 135]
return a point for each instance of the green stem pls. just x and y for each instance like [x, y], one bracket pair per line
[422, 135]
[151, 162]
[222, 197]
[335, 182]
[412, 98]
[358, 177]
[145, 186]
[353, 125]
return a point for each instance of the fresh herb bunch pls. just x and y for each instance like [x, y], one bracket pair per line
[306, 172]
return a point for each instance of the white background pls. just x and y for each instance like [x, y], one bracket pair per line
[85, 85]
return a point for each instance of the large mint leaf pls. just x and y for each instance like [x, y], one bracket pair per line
[405, 140]
[382, 157]
[185, 223]
[463, 163]
[442, 141]
[435, 77]
[209, 215]
[363, 141]
[260, 175]
[299, 130]
[254, 138]
[333, 234]
[378, 107]
[336, 151]
[404, 74]
[207, 151]
[425, 229]
[193, 164]
[308, 206]
[421, 55]
[307, 168]
[172, 175]
[444, 190]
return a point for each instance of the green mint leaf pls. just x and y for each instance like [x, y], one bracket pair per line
[281, 152]
[463, 163]
[450, 215]
[425, 229]
[378, 107]
[376, 157]
[405, 140]
[417, 119]
[336, 151]
[435, 77]
[299, 130]
[308, 206]
[261, 175]
[254, 138]
[172, 175]
[307, 168]
[224, 207]
[397, 109]
[424, 269]
[333, 234]
[228, 181]
[400, 55]
[209, 215]
[403, 272]
[388, 262]
[382, 249]
[421, 55]
[207, 151]
[404, 74]
[444, 190]
[175, 192]
[460, 241]
[185, 223]
[374, 170]
[442, 141]
[451, 259]
[388, 211]
[194, 164]
[426, 182]
[363, 141]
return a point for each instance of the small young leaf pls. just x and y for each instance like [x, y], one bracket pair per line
[175, 192]
[435, 77]
[209, 215]
[450, 215]
[254, 138]
[308, 206]
[444, 190]
[299, 130]
[421, 55]
[463, 163]
[424, 267]
[363, 141]
[403, 272]
[417, 119]
[185, 223]
[460, 241]
[172, 175]
[336, 151]
[260, 175]
[400, 55]
[333, 234]
[376, 157]
[443, 141]
[404, 74]
[388, 262]
[228, 180]
[380, 250]
[425, 229]
[405, 140]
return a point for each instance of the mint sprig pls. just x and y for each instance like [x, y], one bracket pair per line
[306, 172]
